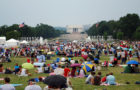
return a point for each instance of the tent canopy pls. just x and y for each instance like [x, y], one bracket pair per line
[12, 40]
[12, 43]
[24, 42]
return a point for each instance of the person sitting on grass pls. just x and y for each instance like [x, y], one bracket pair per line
[16, 68]
[128, 69]
[90, 78]
[20, 69]
[136, 69]
[8, 70]
[23, 72]
[104, 78]
[39, 69]
[97, 80]
[51, 72]
[1, 68]
[46, 68]
[110, 79]
[32, 85]
[81, 73]
[59, 70]
[100, 74]
[7, 86]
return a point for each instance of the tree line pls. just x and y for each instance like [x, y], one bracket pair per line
[44, 30]
[126, 28]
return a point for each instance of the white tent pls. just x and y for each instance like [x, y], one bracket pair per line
[24, 42]
[2, 40]
[12, 43]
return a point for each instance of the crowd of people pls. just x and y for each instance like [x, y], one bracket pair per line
[119, 53]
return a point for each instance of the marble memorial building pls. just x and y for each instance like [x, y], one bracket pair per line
[74, 33]
[75, 29]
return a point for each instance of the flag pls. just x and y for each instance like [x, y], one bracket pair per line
[21, 25]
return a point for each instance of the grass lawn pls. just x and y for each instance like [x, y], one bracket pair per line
[77, 83]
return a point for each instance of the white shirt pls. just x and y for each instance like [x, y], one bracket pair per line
[23, 72]
[123, 54]
[59, 71]
[89, 78]
[33, 87]
[40, 70]
[7, 87]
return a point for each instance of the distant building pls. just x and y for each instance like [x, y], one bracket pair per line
[75, 29]
[74, 33]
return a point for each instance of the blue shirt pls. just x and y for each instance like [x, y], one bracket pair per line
[110, 80]
[16, 67]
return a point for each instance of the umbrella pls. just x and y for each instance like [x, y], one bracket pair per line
[132, 62]
[27, 66]
[87, 66]
[56, 81]
[75, 65]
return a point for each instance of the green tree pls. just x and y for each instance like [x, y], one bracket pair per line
[129, 24]
[105, 35]
[120, 35]
[13, 34]
[103, 27]
[137, 34]
[3, 30]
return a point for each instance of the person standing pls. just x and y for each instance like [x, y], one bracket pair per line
[66, 71]
[123, 57]
[33, 56]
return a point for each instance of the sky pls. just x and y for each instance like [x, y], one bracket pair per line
[64, 12]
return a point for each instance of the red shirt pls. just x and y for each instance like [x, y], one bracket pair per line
[103, 79]
[66, 71]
